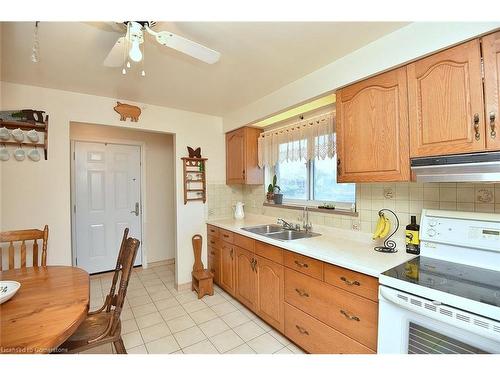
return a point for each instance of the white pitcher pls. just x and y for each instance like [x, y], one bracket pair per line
[238, 210]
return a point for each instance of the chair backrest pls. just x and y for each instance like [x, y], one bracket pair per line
[22, 236]
[123, 271]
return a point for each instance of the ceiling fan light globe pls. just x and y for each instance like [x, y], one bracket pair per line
[135, 53]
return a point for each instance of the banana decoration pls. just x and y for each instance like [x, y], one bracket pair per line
[383, 227]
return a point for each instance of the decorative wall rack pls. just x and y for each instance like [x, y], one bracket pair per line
[195, 181]
[26, 126]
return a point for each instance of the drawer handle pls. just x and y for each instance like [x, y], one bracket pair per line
[302, 330]
[225, 235]
[305, 265]
[231, 253]
[348, 282]
[212, 253]
[212, 242]
[349, 316]
[302, 292]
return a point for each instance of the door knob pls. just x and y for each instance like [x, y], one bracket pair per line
[136, 211]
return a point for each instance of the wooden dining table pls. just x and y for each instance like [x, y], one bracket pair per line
[49, 306]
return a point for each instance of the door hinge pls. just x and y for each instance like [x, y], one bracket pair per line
[482, 68]
[74, 208]
[74, 155]
[76, 261]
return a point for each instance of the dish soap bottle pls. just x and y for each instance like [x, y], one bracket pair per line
[412, 237]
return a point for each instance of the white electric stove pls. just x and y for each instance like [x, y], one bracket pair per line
[447, 300]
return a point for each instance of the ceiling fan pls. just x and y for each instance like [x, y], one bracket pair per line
[130, 45]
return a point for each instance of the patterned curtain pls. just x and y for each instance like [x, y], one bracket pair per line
[304, 140]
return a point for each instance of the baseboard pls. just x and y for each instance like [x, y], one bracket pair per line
[165, 262]
[183, 287]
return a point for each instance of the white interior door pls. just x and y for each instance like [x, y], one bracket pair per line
[107, 198]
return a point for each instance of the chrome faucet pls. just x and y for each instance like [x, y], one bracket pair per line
[287, 225]
[306, 224]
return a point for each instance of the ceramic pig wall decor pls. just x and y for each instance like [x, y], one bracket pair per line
[127, 110]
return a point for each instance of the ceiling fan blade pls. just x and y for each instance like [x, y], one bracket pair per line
[187, 46]
[115, 56]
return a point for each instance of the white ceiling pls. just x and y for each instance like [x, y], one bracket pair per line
[257, 59]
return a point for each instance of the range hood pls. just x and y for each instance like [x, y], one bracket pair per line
[478, 167]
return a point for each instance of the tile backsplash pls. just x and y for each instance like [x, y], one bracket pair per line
[405, 199]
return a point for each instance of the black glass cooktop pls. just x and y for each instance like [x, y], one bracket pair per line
[474, 283]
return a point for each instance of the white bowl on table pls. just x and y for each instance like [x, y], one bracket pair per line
[8, 289]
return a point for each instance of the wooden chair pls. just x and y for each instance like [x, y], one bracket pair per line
[103, 326]
[201, 278]
[23, 236]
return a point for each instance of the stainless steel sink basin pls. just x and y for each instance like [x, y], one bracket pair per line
[264, 229]
[289, 235]
[277, 232]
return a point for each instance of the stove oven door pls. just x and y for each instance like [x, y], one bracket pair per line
[413, 325]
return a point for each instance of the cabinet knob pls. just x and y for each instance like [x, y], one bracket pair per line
[348, 282]
[476, 126]
[301, 330]
[349, 316]
[493, 132]
[301, 292]
[301, 265]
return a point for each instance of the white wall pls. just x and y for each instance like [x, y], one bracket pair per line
[403, 45]
[158, 243]
[34, 194]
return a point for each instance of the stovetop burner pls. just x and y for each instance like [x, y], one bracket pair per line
[474, 283]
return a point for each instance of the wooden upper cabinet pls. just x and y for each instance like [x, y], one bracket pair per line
[491, 58]
[372, 129]
[242, 158]
[445, 97]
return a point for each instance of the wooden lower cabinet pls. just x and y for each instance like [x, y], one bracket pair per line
[227, 274]
[213, 263]
[245, 288]
[317, 337]
[270, 280]
[350, 314]
[321, 307]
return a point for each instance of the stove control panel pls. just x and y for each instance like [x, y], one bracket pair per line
[475, 230]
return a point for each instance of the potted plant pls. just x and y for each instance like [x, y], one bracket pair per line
[273, 192]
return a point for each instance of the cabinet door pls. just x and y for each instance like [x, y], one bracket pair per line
[270, 292]
[235, 157]
[446, 102]
[227, 267]
[372, 129]
[491, 57]
[245, 290]
[213, 264]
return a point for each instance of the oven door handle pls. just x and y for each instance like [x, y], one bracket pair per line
[441, 313]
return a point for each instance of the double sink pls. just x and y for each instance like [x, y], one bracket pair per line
[277, 232]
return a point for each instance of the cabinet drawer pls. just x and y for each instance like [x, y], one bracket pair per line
[214, 242]
[226, 235]
[305, 265]
[244, 242]
[350, 314]
[269, 252]
[318, 338]
[212, 231]
[213, 251]
[354, 282]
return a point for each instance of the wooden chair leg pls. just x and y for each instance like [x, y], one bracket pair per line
[120, 348]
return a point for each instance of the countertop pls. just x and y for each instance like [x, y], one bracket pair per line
[344, 248]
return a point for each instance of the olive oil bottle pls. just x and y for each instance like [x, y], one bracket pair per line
[412, 237]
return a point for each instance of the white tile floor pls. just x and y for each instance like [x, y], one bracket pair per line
[158, 319]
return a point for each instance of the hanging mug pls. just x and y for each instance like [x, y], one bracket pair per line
[34, 155]
[4, 154]
[19, 154]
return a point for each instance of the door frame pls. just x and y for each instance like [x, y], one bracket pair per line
[142, 189]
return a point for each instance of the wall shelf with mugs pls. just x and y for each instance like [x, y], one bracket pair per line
[195, 182]
[26, 137]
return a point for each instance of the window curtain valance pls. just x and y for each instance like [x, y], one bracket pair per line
[304, 140]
